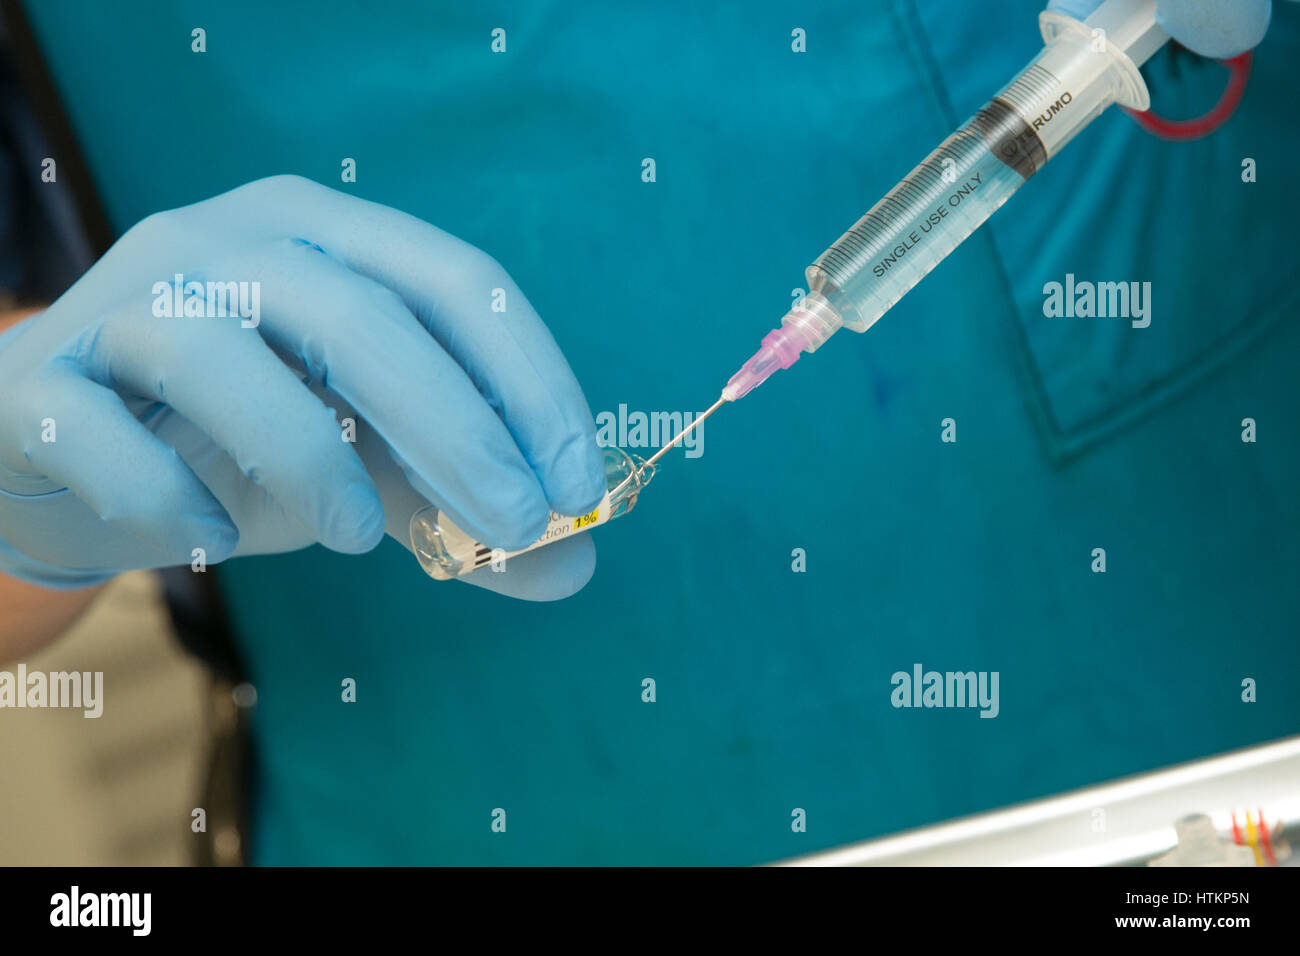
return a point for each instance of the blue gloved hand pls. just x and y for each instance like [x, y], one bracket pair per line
[128, 439]
[1215, 28]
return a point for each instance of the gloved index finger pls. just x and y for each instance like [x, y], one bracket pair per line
[480, 317]
[357, 338]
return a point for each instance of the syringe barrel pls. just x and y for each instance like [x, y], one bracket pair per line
[927, 215]
[974, 171]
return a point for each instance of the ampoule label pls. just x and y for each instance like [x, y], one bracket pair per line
[560, 526]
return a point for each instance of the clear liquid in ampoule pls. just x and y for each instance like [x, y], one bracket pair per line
[445, 551]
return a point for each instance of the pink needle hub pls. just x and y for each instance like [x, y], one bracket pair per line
[803, 329]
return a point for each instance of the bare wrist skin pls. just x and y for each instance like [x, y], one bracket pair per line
[31, 617]
[10, 317]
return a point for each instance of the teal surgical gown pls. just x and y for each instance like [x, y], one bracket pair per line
[772, 685]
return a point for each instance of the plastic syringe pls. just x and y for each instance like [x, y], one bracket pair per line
[1083, 68]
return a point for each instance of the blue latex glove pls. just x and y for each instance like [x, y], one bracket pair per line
[179, 433]
[1213, 28]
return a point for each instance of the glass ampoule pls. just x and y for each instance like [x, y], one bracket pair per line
[446, 552]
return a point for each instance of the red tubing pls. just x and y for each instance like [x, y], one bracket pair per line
[1184, 130]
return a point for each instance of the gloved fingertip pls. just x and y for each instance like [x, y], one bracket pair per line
[552, 573]
[576, 482]
[574, 577]
[356, 524]
[1218, 29]
[212, 539]
[511, 513]
[522, 534]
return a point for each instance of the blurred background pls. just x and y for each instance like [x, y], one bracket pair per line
[78, 791]
[122, 792]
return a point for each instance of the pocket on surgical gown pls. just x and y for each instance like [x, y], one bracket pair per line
[1211, 254]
